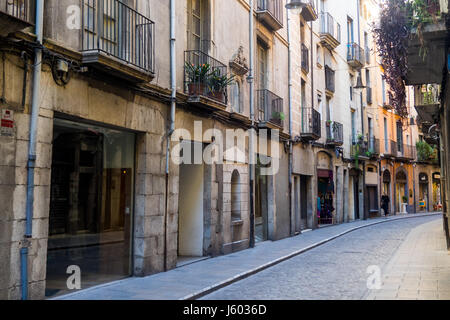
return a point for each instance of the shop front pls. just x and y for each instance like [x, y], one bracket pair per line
[91, 205]
[325, 209]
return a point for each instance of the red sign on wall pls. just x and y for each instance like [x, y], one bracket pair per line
[7, 123]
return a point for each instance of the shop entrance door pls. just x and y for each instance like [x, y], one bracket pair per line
[91, 205]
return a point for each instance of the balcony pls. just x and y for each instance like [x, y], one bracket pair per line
[330, 31]
[15, 15]
[309, 11]
[329, 80]
[355, 56]
[369, 95]
[270, 12]
[270, 110]
[365, 149]
[388, 148]
[205, 80]
[311, 125]
[432, 39]
[119, 40]
[405, 152]
[305, 59]
[335, 134]
[427, 102]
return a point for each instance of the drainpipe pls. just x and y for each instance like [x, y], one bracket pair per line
[250, 79]
[173, 85]
[290, 122]
[35, 102]
[365, 213]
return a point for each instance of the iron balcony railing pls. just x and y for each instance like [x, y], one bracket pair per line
[329, 26]
[311, 123]
[335, 133]
[329, 79]
[270, 107]
[405, 151]
[374, 146]
[112, 27]
[355, 54]
[428, 94]
[305, 58]
[20, 9]
[369, 95]
[369, 148]
[388, 147]
[205, 76]
[274, 7]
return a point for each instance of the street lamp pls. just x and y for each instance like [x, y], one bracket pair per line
[296, 5]
[359, 83]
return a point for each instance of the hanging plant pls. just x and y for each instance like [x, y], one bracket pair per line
[391, 35]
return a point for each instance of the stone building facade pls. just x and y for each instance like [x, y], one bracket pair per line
[106, 198]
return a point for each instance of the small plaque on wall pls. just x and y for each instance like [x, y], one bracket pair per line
[7, 123]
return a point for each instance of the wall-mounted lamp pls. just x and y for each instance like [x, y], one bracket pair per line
[296, 6]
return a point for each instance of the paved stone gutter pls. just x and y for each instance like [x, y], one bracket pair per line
[200, 279]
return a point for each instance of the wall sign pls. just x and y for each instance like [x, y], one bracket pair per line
[7, 123]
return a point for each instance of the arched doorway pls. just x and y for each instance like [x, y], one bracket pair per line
[423, 192]
[401, 195]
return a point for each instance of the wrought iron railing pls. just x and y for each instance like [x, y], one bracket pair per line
[274, 7]
[20, 9]
[311, 122]
[335, 132]
[329, 79]
[112, 27]
[388, 147]
[329, 26]
[355, 53]
[428, 94]
[305, 58]
[405, 151]
[366, 148]
[270, 107]
[374, 146]
[205, 76]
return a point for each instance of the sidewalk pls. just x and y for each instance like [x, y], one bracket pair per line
[198, 279]
[420, 270]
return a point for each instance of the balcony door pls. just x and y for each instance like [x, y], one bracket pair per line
[199, 26]
[262, 78]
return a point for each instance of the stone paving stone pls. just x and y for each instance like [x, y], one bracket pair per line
[343, 269]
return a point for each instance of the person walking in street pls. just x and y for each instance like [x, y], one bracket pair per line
[385, 204]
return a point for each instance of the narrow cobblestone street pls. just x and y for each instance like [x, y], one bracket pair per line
[338, 269]
[328, 263]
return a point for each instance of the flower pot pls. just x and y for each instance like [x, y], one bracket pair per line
[196, 89]
[217, 95]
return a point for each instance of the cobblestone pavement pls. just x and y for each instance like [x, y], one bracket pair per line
[196, 279]
[420, 269]
[338, 269]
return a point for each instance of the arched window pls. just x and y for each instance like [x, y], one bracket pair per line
[235, 97]
[236, 196]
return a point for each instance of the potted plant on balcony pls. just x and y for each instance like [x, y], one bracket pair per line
[198, 76]
[278, 116]
[217, 85]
